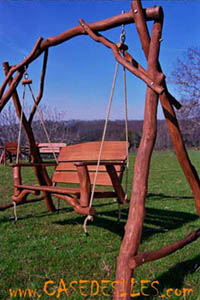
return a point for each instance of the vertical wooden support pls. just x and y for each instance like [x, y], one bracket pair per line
[134, 225]
[179, 147]
[116, 183]
[16, 179]
[169, 113]
[85, 186]
[133, 229]
[3, 157]
[35, 156]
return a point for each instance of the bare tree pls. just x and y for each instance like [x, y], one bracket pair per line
[50, 121]
[53, 120]
[9, 125]
[186, 76]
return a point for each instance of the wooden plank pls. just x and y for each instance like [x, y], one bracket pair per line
[51, 189]
[99, 193]
[116, 184]
[72, 177]
[49, 150]
[90, 151]
[70, 166]
[50, 147]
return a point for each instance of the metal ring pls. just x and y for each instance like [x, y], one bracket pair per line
[26, 76]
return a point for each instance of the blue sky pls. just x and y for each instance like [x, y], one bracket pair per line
[80, 71]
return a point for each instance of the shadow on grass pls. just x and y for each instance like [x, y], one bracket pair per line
[34, 215]
[182, 269]
[156, 221]
[170, 281]
[162, 196]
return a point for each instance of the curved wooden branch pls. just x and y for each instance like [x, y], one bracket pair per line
[16, 80]
[9, 205]
[145, 40]
[16, 102]
[40, 173]
[21, 197]
[144, 257]
[133, 229]
[166, 101]
[137, 72]
[19, 66]
[41, 45]
[76, 206]
[112, 22]
[141, 26]
[39, 97]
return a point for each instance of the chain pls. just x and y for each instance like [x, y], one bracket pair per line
[123, 32]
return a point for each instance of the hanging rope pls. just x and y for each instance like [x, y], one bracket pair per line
[122, 41]
[126, 130]
[89, 217]
[42, 122]
[20, 126]
[15, 211]
[19, 146]
[127, 143]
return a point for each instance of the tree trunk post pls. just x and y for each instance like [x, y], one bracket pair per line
[35, 156]
[134, 225]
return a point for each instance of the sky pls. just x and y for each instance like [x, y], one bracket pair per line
[80, 71]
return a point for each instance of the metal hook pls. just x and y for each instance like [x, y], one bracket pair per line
[26, 76]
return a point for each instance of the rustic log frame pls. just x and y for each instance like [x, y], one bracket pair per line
[40, 172]
[128, 257]
[41, 90]
[137, 71]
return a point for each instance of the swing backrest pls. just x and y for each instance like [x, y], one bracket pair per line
[66, 171]
[50, 148]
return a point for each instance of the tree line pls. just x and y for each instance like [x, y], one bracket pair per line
[79, 131]
[186, 78]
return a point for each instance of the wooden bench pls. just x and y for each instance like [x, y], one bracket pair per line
[76, 167]
[9, 151]
[50, 148]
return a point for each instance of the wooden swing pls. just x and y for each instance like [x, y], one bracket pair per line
[89, 164]
[77, 165]
[129, 255]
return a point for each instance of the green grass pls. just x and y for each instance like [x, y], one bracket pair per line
[46, 246]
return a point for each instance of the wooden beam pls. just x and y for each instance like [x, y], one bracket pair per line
[160, 253]
[41, 45]
[40, 172]
[133, 229]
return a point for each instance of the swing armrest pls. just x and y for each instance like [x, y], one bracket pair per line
[42, 164]
[93, 163]
[110, 168]
[17, 178]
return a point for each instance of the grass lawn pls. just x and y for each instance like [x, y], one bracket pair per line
[46, 253]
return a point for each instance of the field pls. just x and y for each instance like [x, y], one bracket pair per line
[47, 256]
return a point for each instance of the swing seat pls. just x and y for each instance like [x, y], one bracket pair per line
[74, 175]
